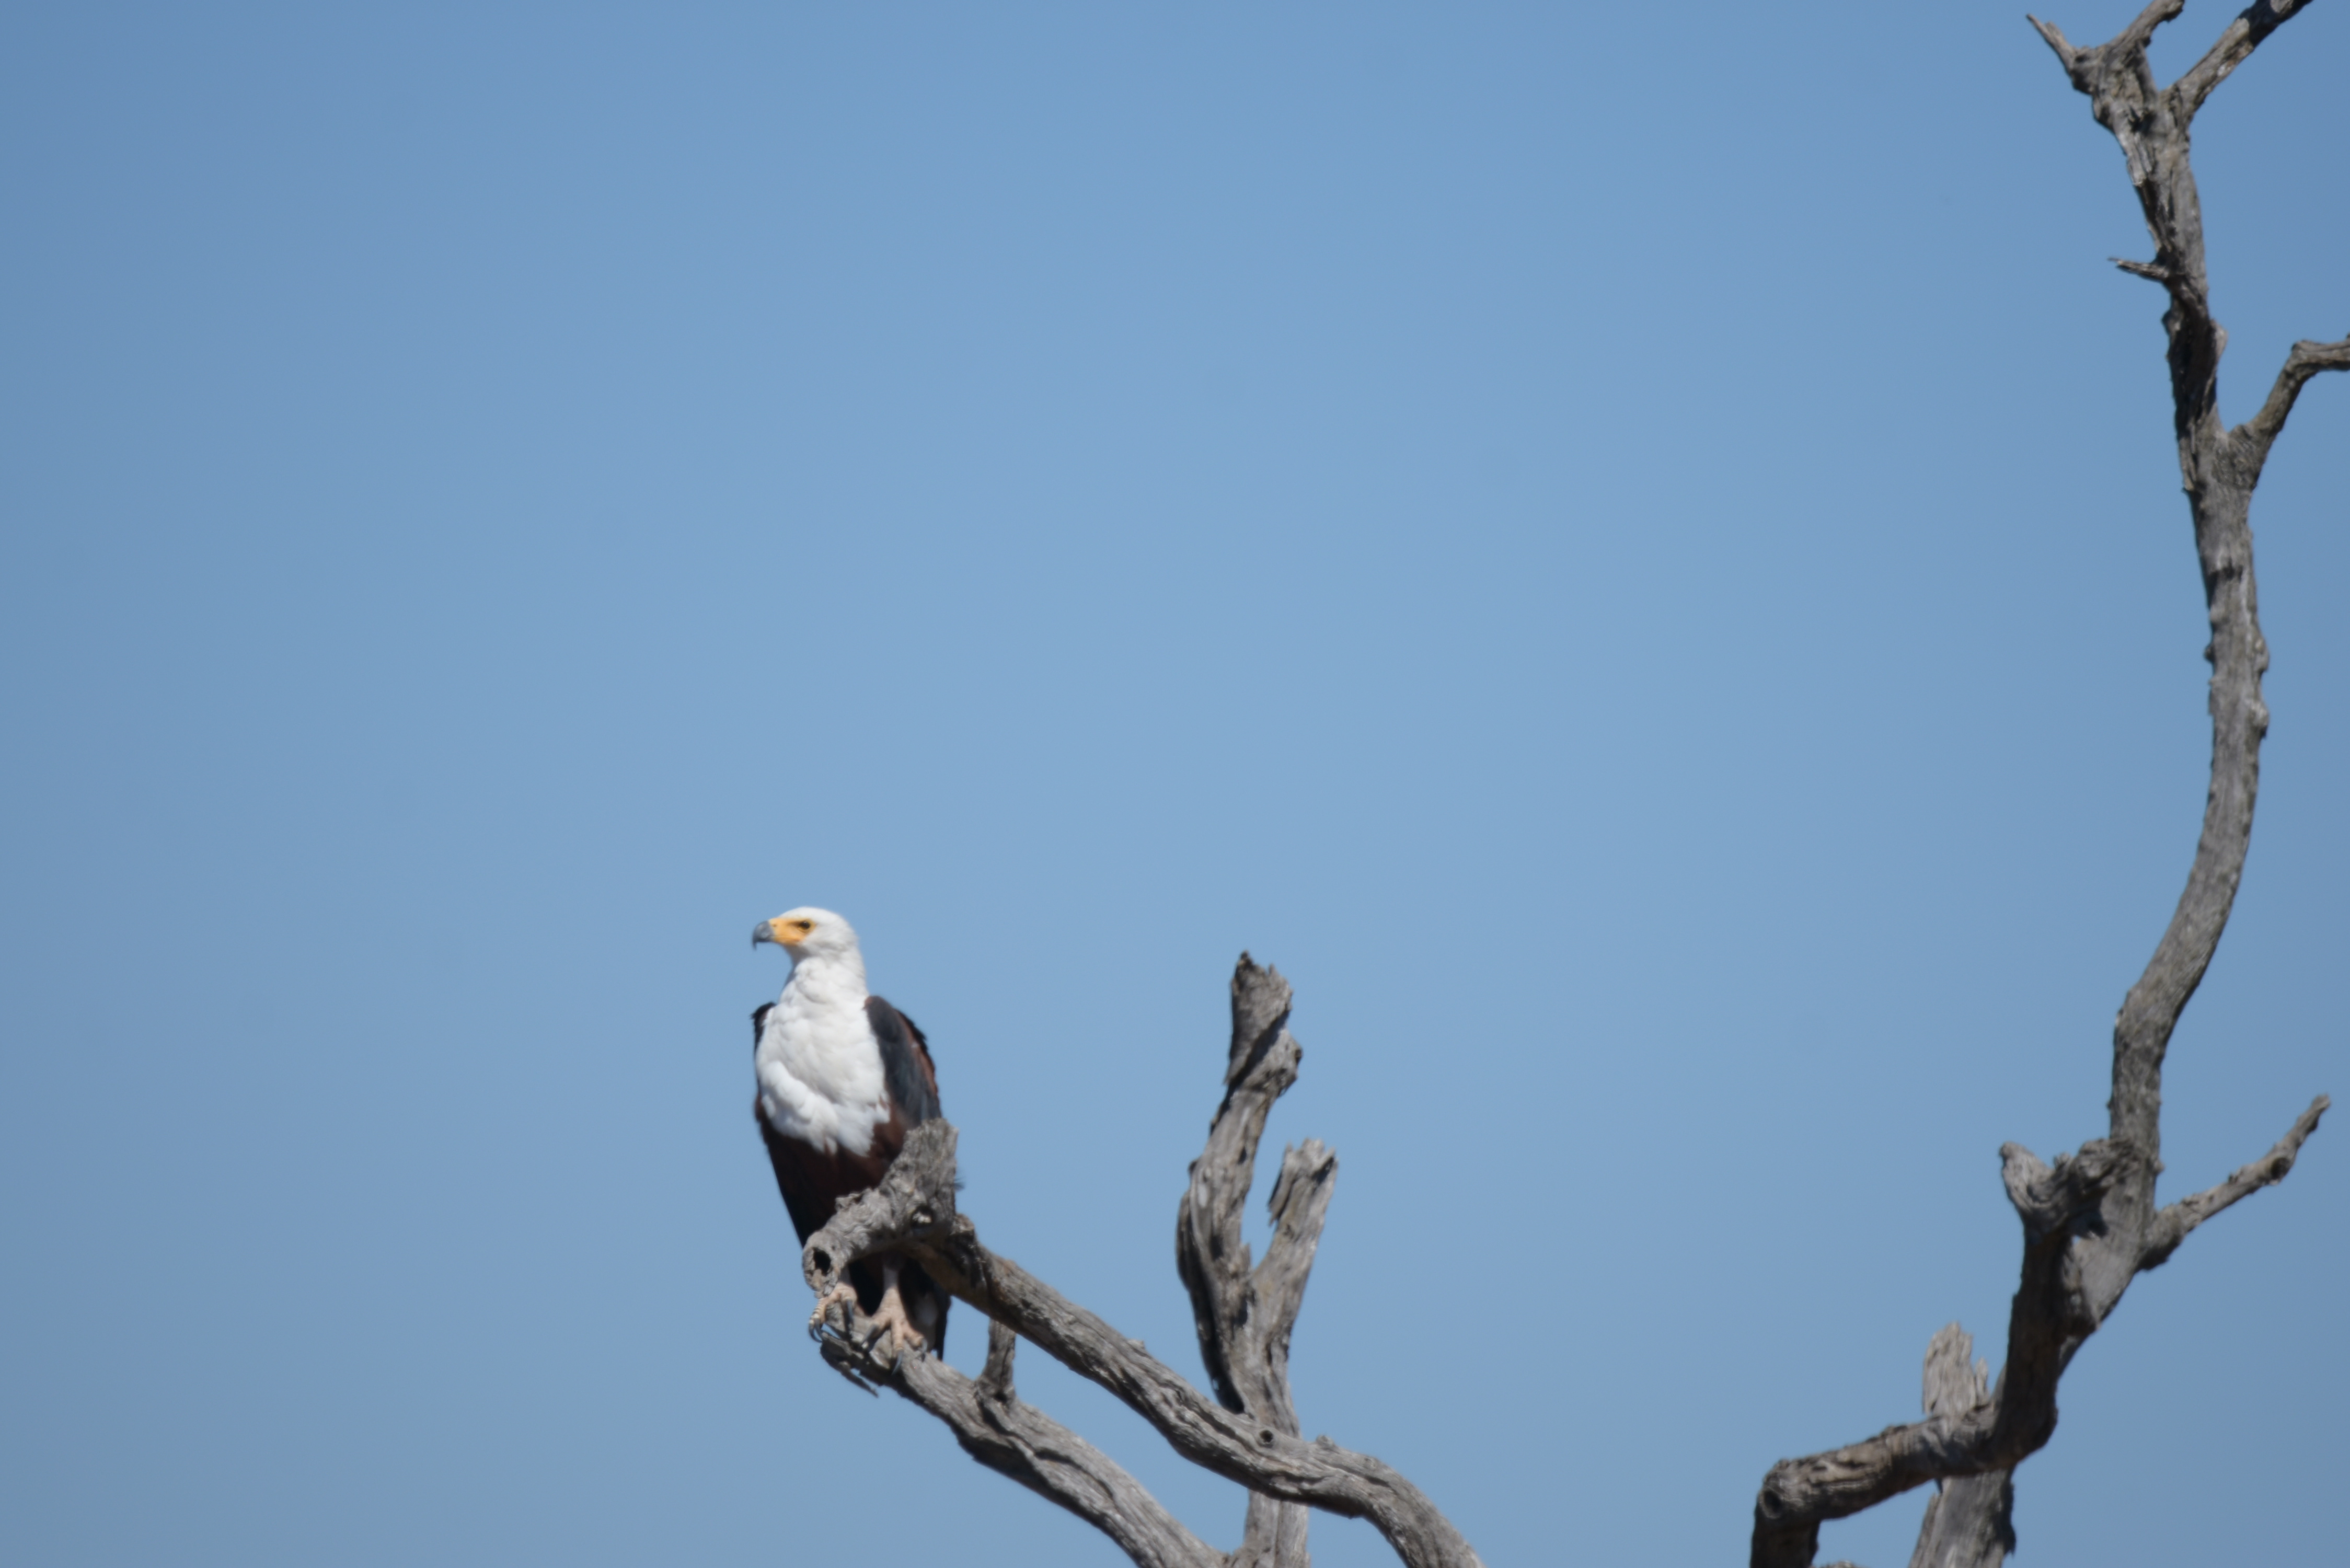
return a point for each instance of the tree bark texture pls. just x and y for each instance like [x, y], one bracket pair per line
[1248, 1434]
[1244, 1314]
[2090, 1222]
[1971, 1519]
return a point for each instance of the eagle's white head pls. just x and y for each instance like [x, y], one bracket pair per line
[810, 933]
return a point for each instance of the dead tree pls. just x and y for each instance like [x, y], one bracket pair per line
[1248, 1433]
[2091, 1224]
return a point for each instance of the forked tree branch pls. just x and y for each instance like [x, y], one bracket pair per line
[2049, 1316]
[2218, 470]
[914, 1212]
[1018, 1441]
[2090, 1223]
[2234, 47]
[1244, 1314]
[2257, 434]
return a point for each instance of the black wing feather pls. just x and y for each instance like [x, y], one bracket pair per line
[905, 1062]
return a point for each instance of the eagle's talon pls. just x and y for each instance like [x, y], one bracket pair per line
[892, 1323]
[843, 1295]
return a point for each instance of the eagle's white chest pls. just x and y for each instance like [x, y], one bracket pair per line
[819, 1066]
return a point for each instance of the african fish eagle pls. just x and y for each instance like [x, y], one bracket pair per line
[843, 1076]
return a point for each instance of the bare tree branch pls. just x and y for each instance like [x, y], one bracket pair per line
[1209, 1252]
[1955, 1383]
[2047, 1320]
[2090, 1223]
[995, 1378]
[2147, 270]
[2172, 1225]
[2134, 38]
[2218, 474]
[2257, 434]
[1245, 1315]
[1299, 1203]
[1021, 1442]
[2219, 471]
[1969, 1522]
[912, 1210]
[2234, 47]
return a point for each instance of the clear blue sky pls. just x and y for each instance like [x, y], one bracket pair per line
[1635, 553]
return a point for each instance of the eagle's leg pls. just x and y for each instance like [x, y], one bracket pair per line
[890, 1321]
[843, 1295]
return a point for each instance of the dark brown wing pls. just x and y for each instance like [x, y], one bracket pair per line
[905, 1064]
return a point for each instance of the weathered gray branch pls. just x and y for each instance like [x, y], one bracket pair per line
[2147, 270]
[2090, 1223]
[2171, 1226]
[2048, 1319]
[1245, 1315]
[1020, 1441]
[912, 1210]
[2218, 469]
[2257, 434]
[1969, 1522]
[2235, 46]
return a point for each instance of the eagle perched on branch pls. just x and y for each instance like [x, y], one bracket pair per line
[843, 1077]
